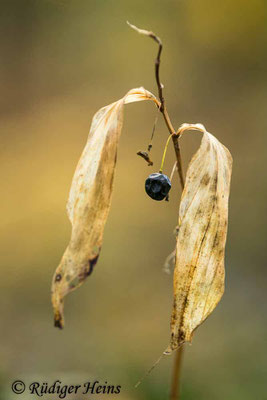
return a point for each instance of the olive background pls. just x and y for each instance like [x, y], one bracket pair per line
[61, 60]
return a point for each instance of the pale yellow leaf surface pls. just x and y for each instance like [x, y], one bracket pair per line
[90, 198]
[200, 249]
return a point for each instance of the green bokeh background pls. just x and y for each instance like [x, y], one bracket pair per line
[60, 62]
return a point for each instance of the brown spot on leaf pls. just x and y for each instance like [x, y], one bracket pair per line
[200, 212]
[58, 277]
[205, 179]
[216, 241]
[181, 336]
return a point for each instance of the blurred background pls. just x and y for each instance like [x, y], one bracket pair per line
[61, 60]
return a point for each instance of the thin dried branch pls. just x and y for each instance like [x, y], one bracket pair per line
[163, 109]
[145, 156]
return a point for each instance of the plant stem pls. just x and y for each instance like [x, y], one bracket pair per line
[175, 386]
[175, 139]
[162, 107]
[163, 110]
[177, 366]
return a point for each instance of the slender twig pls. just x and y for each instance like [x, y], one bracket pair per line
[162, 108]
[145, 156]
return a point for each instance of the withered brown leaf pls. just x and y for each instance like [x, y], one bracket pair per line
[89, 199]
[200, 248]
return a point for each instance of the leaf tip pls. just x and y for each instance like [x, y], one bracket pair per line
[58, 321]
[57, 303]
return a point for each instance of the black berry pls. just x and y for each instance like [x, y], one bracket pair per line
[158, 186]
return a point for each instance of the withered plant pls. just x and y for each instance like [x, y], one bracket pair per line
[202, 224]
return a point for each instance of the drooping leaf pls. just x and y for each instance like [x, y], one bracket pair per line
[200, 248]
[89, 199]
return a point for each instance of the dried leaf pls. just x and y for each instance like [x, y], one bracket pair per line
[203, 215]
[89, 199]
